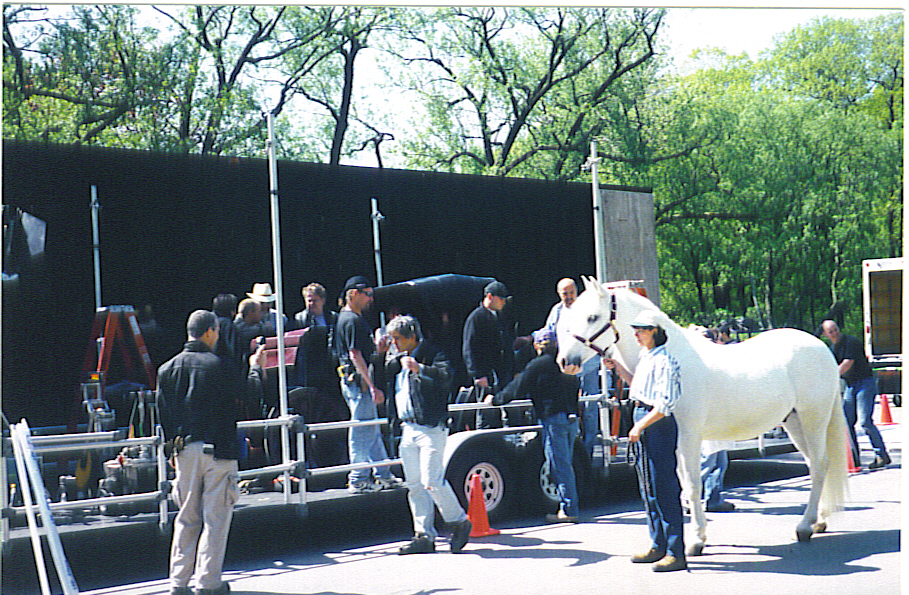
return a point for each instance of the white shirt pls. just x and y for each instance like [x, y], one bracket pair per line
[657, 380]
[402, 395]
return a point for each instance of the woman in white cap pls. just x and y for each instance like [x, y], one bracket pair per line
[655, 388]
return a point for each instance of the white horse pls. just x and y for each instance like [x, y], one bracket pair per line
[731, 392]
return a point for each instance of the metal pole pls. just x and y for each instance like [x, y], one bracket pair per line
[20, 434]
[279, 294]
[25, 488]
[96, 246]
[598, 238]
[376, 217]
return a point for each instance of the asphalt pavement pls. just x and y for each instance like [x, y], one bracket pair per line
[750, 550]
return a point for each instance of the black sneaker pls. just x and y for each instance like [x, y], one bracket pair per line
[723, 506]
[421, 544]
[224, 589]
[880, 461]
[460, 534]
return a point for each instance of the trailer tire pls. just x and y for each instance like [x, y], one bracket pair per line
[543, 491]
[496, 477]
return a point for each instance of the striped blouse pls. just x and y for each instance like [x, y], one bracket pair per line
[657, 380]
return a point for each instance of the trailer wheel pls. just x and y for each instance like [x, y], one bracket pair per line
[496, 478]
[543, 490]
[543, 496]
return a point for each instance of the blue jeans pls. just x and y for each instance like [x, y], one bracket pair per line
[365, 443]
[858, 403]
[659, 483]
[713, 470]
[422, 449]
[559, 433]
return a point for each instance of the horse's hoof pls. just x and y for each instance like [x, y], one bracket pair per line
[803, 536]
[695, 550]
[820, 527]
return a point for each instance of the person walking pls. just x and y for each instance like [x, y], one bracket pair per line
[861, 392]
[419, 376]
[655, 387]
[355, 348]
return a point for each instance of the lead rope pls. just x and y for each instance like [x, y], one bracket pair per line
[642, 467]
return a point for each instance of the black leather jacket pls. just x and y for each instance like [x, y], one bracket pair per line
[487, 346]
[429, 389]
[198, 399]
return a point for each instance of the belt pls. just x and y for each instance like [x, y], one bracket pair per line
[643, 406]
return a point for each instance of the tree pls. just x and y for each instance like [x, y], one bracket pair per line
[803, 183]
[491, 78]
[90, 77]
[96, 77]
[323, 74]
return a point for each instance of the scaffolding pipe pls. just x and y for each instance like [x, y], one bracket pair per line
[279, 294]
[377, 217]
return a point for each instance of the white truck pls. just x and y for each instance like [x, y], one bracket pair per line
[882, 300]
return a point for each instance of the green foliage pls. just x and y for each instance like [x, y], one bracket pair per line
[515, 91]
[803, 182]
[773, 178]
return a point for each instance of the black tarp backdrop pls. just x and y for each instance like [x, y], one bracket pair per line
[176, 230]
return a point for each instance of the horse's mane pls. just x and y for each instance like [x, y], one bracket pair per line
[670, 326]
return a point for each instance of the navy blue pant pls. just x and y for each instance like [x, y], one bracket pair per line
[659, 483]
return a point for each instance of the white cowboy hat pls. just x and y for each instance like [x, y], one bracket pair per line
[262, 292]
[645, 318]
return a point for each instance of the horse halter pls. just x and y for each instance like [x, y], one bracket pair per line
[589, 341]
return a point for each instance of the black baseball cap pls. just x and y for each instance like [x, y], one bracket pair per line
[496, 288]
[357, 282]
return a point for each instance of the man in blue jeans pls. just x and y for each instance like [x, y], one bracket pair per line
[555, 402]
[355, 347]
[861, 391]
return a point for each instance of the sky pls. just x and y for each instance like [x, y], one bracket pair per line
[714, 24]
[748, 30]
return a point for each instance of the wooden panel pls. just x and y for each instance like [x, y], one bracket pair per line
[628, 223]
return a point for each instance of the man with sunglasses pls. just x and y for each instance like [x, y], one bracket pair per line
[355, 347]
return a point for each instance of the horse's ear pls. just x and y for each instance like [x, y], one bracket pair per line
[593, 285]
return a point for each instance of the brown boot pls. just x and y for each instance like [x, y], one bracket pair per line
[669, 564]
[650, 555]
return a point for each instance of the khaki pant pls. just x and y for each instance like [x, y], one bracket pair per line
[206, 490]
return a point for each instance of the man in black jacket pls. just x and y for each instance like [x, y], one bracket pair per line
[198, 398]
[555, 402]
[419, 377]
[487, 348]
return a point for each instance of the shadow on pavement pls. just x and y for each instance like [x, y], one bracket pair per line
[828, 554]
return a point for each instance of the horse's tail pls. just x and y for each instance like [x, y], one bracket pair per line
[835, 490]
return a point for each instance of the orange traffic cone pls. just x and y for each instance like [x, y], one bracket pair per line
[476, 510]
[853, 468]
[886, 419]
